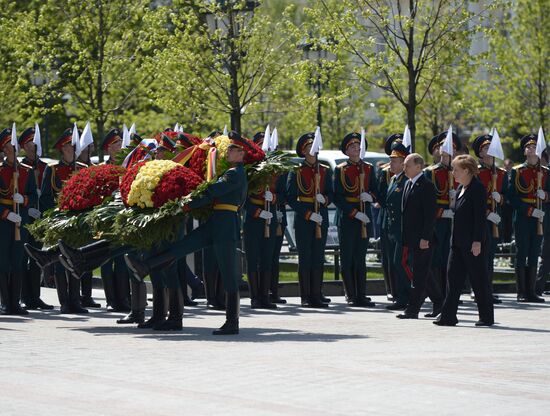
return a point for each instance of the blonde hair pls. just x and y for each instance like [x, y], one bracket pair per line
[466, 162]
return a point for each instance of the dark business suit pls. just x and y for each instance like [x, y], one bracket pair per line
[469, 227]
[419, 211]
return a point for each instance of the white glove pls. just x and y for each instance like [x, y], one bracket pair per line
[316, 218]
[452, 194]
[494, 218]
[279, 216]
[18, 198]
[496, 196]
[13, 217]
[537, 213]
[266, 215]
[366, 197]
[362, 217]
[38, 192]
[34, 213]
[541, 194]
[268, 196]
[320, 198]
[447, 213]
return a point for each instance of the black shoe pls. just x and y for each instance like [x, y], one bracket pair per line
[432, 314]
[43, 257]
[77, 309]
[317, 304]
[17, 310]
[187, 301]
[227, 328]
[439, 322]
[132, 318]
[43, 305]
[89, 303]
[483, 323]
[277, 300]
[324, 299]
[496, 301]
[397, 307]
[407, 316]
[169, 325]
[362, 303]
[547, 293]
[534, 299]
[150, 323]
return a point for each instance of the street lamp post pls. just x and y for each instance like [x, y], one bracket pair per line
[225, 22]
[317, 54]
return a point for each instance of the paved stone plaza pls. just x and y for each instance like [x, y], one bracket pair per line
[288, 362]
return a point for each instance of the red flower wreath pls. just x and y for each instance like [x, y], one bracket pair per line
[254, 153]
[174, 184]
[197, 163]
[127, 179]
[88, 187]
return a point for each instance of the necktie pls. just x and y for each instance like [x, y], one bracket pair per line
[408, 187]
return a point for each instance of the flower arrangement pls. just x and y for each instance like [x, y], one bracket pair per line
[153, 183]
[88, 187]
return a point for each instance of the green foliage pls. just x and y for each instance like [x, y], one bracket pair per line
[71, 227]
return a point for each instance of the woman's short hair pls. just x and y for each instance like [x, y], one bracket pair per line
[466, 162]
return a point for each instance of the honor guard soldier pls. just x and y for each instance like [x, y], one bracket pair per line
[114, 273]
[259, 231]
[17, 193]
[68, 286]
[441, 176]
[528, 194]
[433, 149]
[309, 192]
[495, 181]
[354, 191]
[391, 223]
[31, 272]
[383, 178]
[221, 231]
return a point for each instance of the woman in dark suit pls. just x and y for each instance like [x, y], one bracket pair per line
[468, 247]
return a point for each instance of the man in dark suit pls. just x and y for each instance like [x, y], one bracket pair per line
[419, 212]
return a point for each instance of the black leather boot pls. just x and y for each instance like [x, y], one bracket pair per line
[16, 280]
[349, 288]
[61, 287]
[531, 286]
[274, 297]
[220, 292]
[520, 284]
[159, 308]
[265, 284]
[231, 325]
[209, 282]
[86, 258]
[43, 258]
[74, 295]
[175, 317]
[362, 299]
[109, 288]
[138, 301]
[316, 298]
[86, 300]
[34, 277]
[122, 292]
[304, 280]
[142, 268]
[254, 285]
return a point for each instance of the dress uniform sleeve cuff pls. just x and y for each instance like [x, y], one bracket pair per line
[352, 213]
[530, 211]
[257, 213]
[308, 214]
[5, 213]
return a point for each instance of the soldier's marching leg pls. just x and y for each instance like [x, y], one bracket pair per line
[16, 280]
[275, 298]
[122, 285]
[75, 305]
[226, 253]
[346, 262]
[304, 236]
[159, 302]
[172, 282]
[210, 272]
[60, 278]
[32, 279]
[87, 300]
[138, 302]
[317, 270]
[107, 278]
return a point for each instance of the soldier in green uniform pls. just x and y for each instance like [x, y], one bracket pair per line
[311, 225]
[17, 193]
[391, 223]
[221, 231]
[259, 232]
[495, 181]
[68, 286]
[32, 275]
[383, 178]
[114, 272]
[528, 194]
[354, 191]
